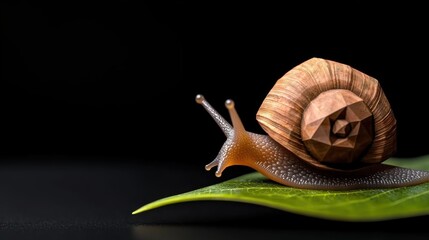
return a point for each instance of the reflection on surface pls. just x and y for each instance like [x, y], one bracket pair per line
[228, 220]
[145, 232]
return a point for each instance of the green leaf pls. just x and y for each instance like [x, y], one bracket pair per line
[421, 162]
[349, 205]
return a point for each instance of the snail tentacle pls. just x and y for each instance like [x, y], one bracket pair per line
[221, 122]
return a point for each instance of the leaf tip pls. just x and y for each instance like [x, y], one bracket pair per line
[142, 209]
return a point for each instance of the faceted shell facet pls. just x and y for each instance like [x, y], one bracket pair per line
[337, 127]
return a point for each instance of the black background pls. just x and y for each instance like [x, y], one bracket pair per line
[111, 85]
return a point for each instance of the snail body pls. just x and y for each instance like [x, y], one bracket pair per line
[329, 126]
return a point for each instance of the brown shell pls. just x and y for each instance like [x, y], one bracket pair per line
[281, 112]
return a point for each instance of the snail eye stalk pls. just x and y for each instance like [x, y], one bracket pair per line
[221, 122]
[238, 126]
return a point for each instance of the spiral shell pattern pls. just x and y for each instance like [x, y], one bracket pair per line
[282, 112]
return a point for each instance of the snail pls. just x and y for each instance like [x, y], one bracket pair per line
[329, 127]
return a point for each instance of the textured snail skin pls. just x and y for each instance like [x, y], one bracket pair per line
[266, 156]
[280, 165]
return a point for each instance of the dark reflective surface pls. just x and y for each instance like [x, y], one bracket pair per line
[225, 233]
[59, 198]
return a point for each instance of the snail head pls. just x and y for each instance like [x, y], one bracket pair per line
[239, 145]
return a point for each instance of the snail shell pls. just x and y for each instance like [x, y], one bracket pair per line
[329, 115]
